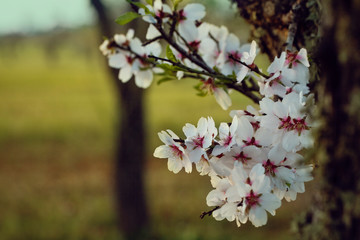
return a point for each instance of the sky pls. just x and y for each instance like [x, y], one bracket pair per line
[28, 16]
[41, 15]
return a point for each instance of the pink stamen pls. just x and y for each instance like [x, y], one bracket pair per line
[299, 125]
[177, 151]
[252, 141]
[195, 45]
[228, 140]
[242, 157]
[270, 168]
[255, 125]
[252, 199]
[182, 15]
[286, 123]
[199, 141]
[235, 55]
[129, 59]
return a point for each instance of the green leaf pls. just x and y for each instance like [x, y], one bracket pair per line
[126, 18]
[170, 55]
[150, 2]
[141, 5]
[200, 91]
[216, 69]
[168, 67]
[138, 4]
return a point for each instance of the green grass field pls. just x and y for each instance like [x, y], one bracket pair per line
[57, 115]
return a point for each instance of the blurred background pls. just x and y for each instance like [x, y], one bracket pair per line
[57, 120]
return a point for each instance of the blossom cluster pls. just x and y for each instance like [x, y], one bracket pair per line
[211, 46]
[253, 162]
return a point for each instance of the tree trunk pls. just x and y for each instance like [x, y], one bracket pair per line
[336, 212]
[130, 144]
[270, 19]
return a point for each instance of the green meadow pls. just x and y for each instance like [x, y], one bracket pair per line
[57, 119]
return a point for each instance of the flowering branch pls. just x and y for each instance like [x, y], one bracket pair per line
[229, 82]
[253, 162]
[184, 53]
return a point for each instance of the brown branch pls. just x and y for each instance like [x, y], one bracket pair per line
[252, 67]
[172, 42]
[203, 214]
[191, 70]
[151, 40]
[293, 25]
[231, 83]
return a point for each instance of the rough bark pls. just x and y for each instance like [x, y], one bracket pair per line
[270, 20]
[335, 213]
[130, 145]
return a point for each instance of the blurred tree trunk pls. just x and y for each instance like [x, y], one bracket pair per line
[130, 145]
[335, 211]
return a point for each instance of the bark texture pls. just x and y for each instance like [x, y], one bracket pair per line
[335, 213]
[130, 145]
[270, 20]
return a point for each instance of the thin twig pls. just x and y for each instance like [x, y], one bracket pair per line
[182, 51]
[127, 48]
[193, 51]
[252, 67]
[203, 214]
[215, 40]
[152, 40]
[191, 70]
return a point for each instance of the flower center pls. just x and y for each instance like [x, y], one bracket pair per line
[242, 157]
[252, 199]
[275, 81]
[199, 141]
[182, 15]
[228, 140]
[270, 168]
[300, 125]
[194, 45]
[255, 125]
[251, 141]
[129, 59]
[286, 123]
[233, 55]
[291, 57]
[160, 13]
[177, 152]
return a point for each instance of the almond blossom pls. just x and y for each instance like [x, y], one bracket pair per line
[174, 151]
[199, 138]
[253, 162]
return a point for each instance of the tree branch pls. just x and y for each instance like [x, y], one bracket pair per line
[203, 214]
[252, 67]
[293, 25]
